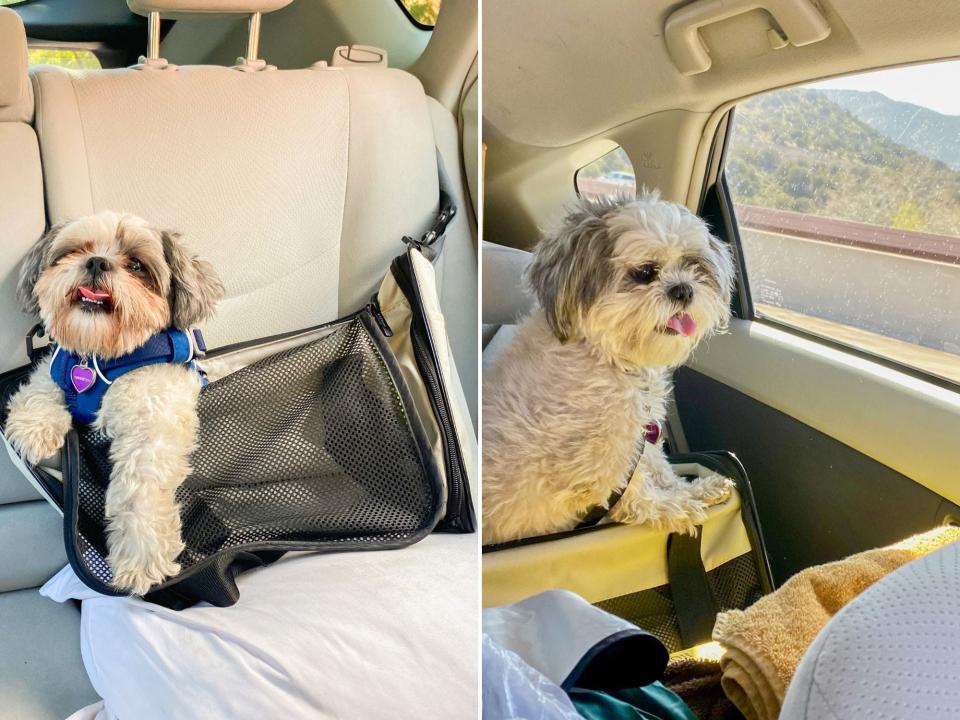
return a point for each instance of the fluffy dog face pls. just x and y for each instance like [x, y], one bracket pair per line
[640, 279]
[105, 283]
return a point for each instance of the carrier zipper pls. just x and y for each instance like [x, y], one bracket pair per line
[422, 352]
[244, 344]
[374, 307]
[458, 501]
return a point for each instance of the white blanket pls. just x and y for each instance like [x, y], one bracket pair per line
[390, 634]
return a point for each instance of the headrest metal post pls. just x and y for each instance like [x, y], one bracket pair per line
[253, 39]
[153, 36]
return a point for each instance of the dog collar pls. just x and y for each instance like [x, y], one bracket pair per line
[85, 379]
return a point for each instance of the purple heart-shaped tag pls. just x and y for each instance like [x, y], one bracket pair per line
[651, 432]
[82, 378]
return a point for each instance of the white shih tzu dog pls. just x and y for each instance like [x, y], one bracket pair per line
[114, 292]
[626, 288]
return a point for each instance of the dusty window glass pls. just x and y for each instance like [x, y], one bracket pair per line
[74, 58]
[422, 12]
[609, 174]
[847, 196]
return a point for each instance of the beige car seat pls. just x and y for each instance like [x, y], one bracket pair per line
[41, 676]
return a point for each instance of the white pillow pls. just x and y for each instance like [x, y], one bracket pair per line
[388, 634]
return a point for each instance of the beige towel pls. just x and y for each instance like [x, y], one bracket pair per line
[766, 641]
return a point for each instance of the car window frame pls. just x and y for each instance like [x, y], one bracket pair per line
[416, 23]
[576, 174]
[716, 206]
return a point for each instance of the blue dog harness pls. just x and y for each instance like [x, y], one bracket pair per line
[85, 379]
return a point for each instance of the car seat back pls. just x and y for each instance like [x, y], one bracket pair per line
[296, 184]
[505, 299]
[21, 182]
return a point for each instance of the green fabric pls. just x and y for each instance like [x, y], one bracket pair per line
[652, 702]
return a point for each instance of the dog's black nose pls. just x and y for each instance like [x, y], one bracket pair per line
[97, 265]
[682, 292]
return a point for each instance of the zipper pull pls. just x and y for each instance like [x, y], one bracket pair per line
[374, 307]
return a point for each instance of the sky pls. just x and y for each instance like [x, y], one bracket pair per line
[933, 85]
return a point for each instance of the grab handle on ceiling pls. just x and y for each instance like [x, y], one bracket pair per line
[799, 20]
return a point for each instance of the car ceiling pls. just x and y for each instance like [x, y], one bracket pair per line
[558, 73]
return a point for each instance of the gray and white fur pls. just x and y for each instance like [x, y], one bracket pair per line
[627, 288]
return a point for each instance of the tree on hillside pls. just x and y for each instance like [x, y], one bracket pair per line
[908, 217]
[424, 11]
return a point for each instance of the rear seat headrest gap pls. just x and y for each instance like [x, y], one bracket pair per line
[154, 9]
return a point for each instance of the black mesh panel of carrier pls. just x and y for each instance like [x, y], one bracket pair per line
[317, 447]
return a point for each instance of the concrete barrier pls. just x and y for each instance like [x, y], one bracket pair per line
[898, 295]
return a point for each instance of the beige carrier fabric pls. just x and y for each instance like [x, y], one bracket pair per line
[397, 312]
[608, 562]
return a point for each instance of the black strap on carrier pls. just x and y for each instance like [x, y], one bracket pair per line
[354, 470]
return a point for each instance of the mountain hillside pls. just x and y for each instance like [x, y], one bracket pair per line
[799, 150]
[921, 129]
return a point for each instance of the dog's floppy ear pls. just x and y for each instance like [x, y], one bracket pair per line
[569, 269]
[195, 287]
[33, 265]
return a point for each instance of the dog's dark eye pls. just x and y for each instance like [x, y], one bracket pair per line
[135, 265]
[644, 274]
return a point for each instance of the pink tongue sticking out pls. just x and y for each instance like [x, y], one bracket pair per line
[683, 324]
[91, 294]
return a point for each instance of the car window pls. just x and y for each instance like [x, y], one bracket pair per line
[75, 58]
[422, 13]
[847, 198]
[611, 173]
[50, 54]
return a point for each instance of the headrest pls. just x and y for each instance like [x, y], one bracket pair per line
[14, 83]
[189, 7]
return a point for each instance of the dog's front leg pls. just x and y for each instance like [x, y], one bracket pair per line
[150, 414]
[659, 497]
[37, 417]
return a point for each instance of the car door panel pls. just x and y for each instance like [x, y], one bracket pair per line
[819, 499]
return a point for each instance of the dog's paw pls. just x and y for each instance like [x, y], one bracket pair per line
[36, 437]
[140, 556]
[713, 489]
[685, 523]
[682, 515]
[138, 577]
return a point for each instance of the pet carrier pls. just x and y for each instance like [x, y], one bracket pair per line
[668, 584]
[339, 437]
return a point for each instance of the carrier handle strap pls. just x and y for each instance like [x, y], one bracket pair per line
[444, 216]
[693, 600]
[431, 242]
